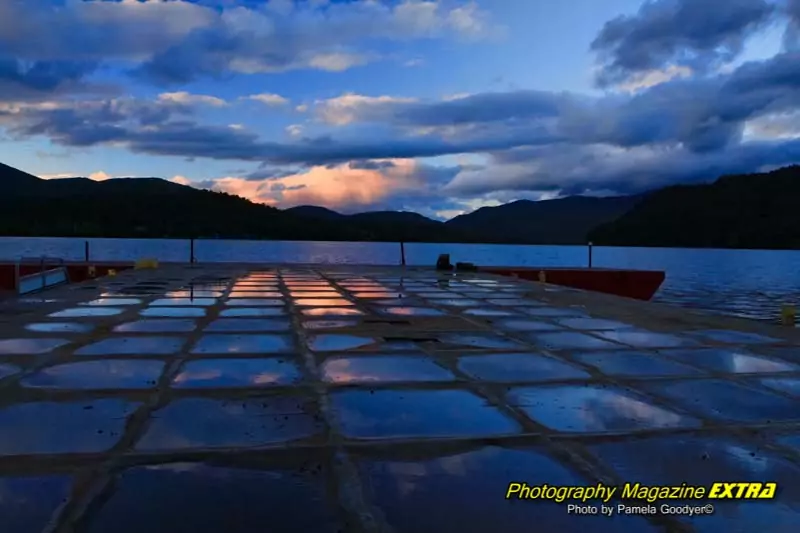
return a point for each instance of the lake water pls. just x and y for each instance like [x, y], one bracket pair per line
[748, 283]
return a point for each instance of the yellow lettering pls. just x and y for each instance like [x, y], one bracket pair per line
[753, 490]
[513, 488]
[769, 491]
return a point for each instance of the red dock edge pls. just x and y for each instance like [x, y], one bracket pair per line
[77, 272]
[638, 284]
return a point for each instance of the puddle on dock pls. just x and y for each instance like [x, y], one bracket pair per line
[332, 311]
[411, 311]
[221, 373]
[734, 337]
[642, 338]
[527, 325]
[192, 423]
[488, 312]
[30, 346]
[518, 367]
[183, 302]
[156, 345]
[111, 302]
[726, 401]
[87, 426]
[570, 340]
[60, 327]
[454, 493]
[29, 502]
[561, 312]
[8, 370]
[624, 363]
[247, 344]
[194, 294]
[175, 312]
[730, 360]
[255, 302]
[204, 498]
[245, 325]
[695, 460]
[593, 409]
[156, 325]
[110, 374]
[418, 413]
[329, 324]
[593, 323]
[81, 312]
[322, 302]
[252, 312]
[256, 294]
[383, 369]
[338, 343]
[489, 342]
[786, 385]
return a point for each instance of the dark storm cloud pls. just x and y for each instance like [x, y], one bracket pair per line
[694, 33]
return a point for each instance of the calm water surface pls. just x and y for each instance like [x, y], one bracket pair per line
[748, 283]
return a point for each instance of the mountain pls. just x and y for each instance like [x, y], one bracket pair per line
[740, 211]
[562, 221]
[156, 208]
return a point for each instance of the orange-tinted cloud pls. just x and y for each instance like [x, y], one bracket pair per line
[338, 187]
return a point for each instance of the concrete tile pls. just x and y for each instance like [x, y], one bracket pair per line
[568, 340]
[593, 409]
[730, 360]
[382, 369]
[193, 423]
[672, 460]
[88, 426]
[641, 338]
[631, 363]
[60, 327]
[81, 312]
[477, 342]
[518, 367]
[30, 346]
[338, 343]
[726, 401]
[8, 370]
[184, 302]
[222, 373]
[734, 337]
[249, 325]
[152, 345]
[253, 312]
[383, 414]
[518, 324]
[113, 302]
[157, 325]
[255, 302]
[30, 501]
[105, 374]
[456, 493]
[411, 311]
[787, 385]
[198, 498]
[245, 344]
[331, 311]
[174, 312]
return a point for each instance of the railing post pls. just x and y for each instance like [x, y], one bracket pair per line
[590, 254]
[86, 251]
[402, 253]
[191, 251]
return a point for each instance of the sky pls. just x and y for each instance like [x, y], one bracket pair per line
[438, 107]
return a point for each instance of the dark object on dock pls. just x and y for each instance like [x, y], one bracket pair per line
[466, 267]
[443, 263]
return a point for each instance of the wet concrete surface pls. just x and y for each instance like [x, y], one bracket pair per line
[378, 399]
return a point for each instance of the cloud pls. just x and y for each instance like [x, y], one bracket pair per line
[50, 42]
[294, 130]
[688, 33]
[354, 187]
[352, 107]
[94, 176]
[186, 98]
[269, 99]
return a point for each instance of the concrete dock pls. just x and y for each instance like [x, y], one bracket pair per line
[375, 399]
